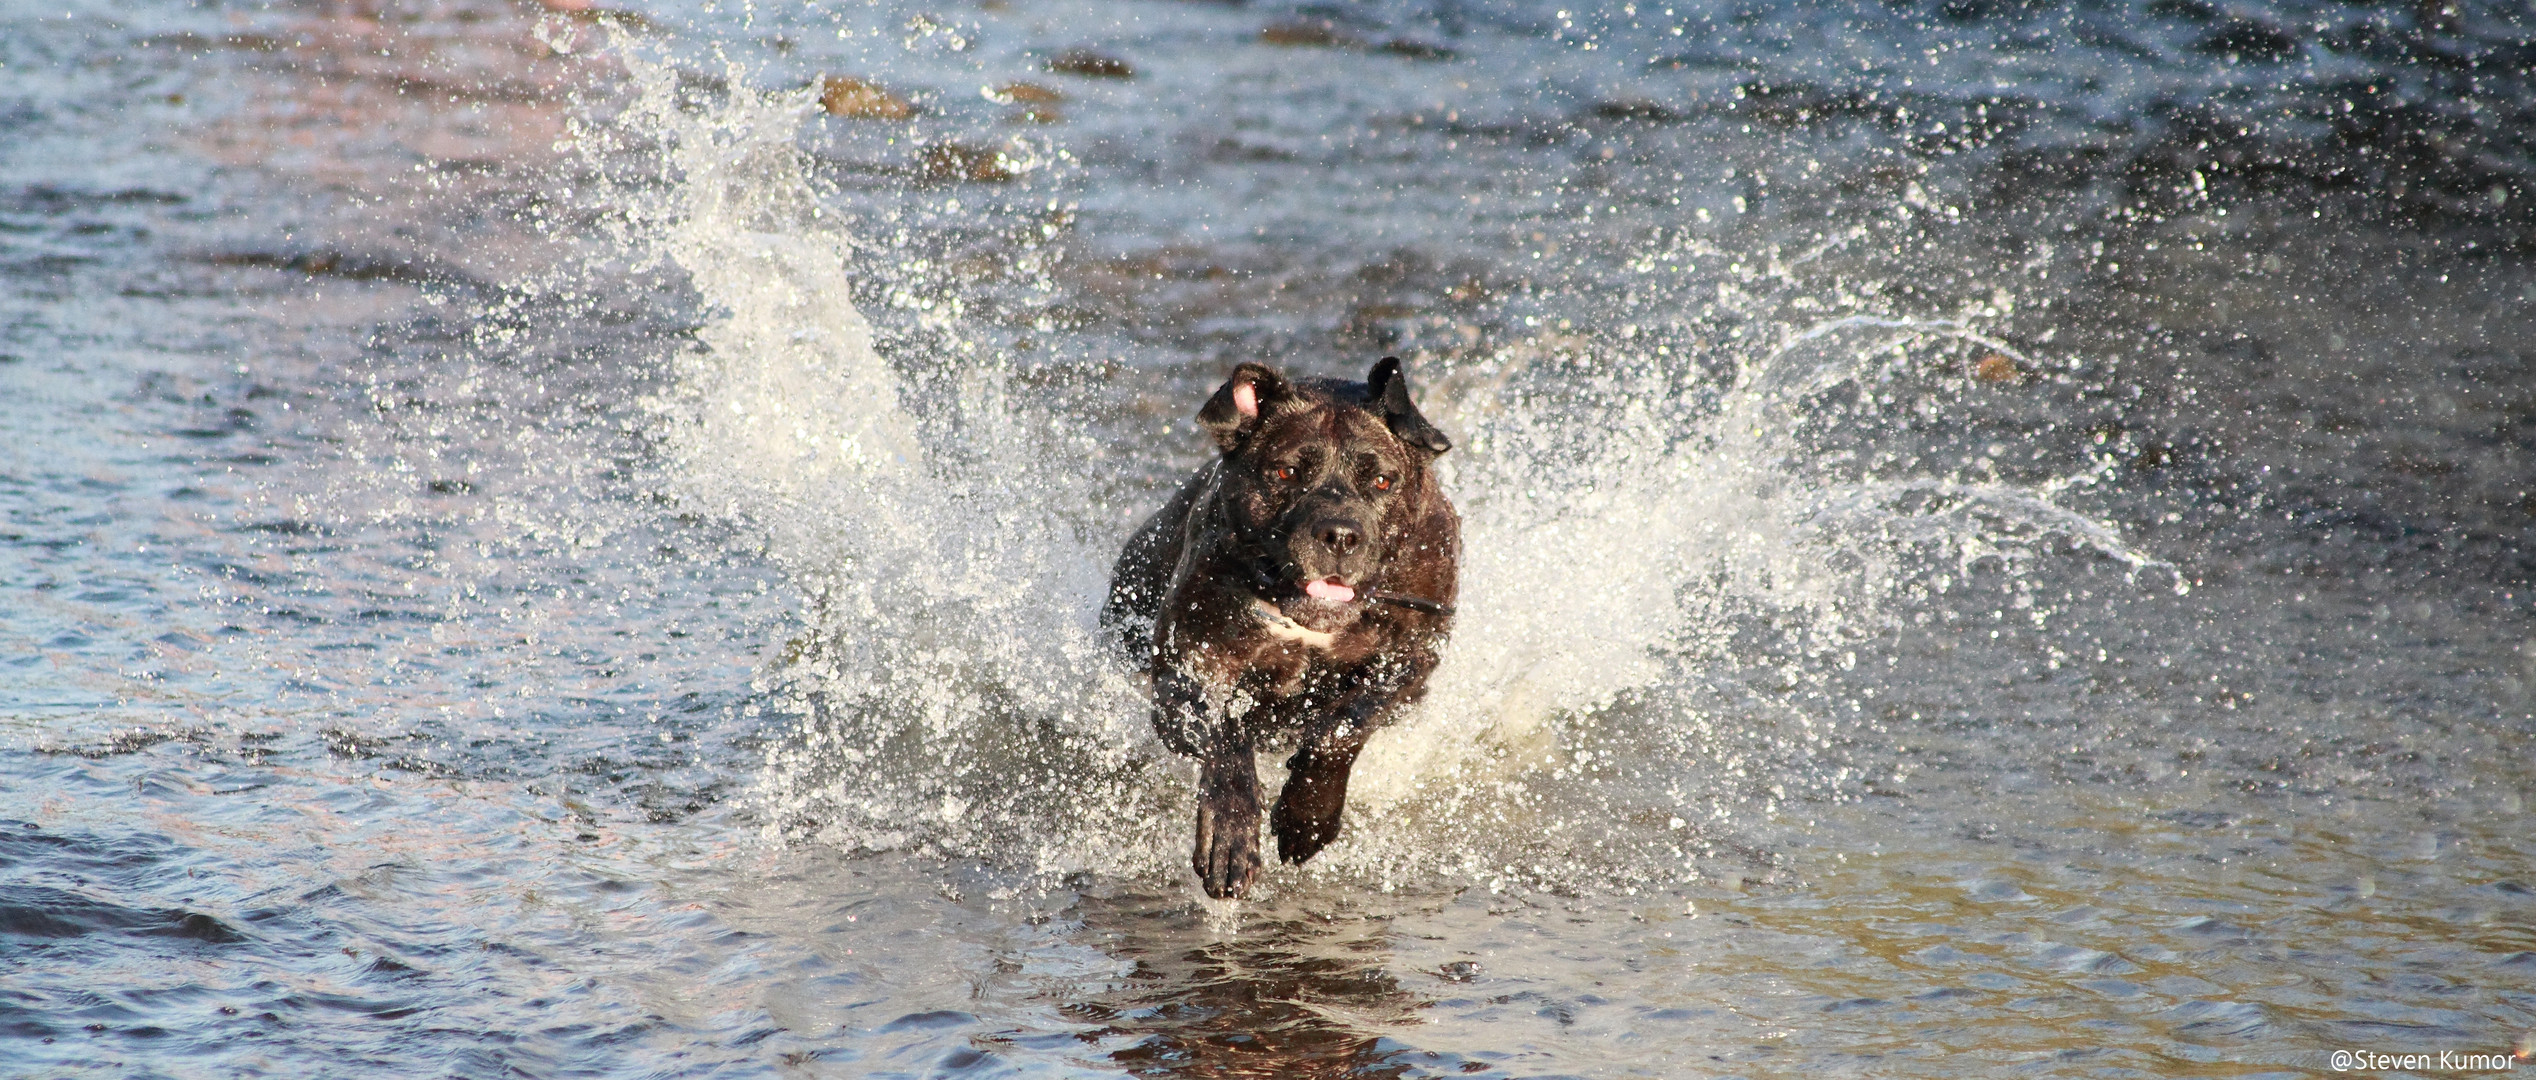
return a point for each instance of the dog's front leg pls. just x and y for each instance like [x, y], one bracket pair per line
[1227, 853]
[1307, 813]
[1306, 818]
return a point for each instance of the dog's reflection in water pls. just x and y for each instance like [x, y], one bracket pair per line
[1284, 994]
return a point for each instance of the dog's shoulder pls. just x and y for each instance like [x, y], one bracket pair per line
[1146, 567]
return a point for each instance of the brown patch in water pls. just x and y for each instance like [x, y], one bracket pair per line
[958, 162]
[1091, 65]
[1314, 33]
[1025, 93]
[862, 99]
[1996, 368]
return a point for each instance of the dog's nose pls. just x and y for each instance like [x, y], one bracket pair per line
[1342, 537]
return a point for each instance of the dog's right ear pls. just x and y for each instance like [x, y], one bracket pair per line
[1253, 391]
[1387, 388]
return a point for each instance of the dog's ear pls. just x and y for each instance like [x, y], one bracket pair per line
[1387, 393]
[1253, 391]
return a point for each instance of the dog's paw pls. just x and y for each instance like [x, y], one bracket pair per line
[1227, 855]
[1300, 837]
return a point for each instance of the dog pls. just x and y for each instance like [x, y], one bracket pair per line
[1293, 593]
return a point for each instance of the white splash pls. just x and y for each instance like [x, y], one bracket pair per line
[951, 690]
[949, 669]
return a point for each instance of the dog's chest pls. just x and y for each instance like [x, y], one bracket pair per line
[1283, 628]
[1253, 644]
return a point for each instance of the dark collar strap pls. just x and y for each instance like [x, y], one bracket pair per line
[1413, 603]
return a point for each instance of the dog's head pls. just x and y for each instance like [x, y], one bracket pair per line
[1325, 481]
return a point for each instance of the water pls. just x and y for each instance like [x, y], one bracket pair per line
[1998, 537]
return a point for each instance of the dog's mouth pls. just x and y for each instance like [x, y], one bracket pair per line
[1267, 580]
[1330, 589]
[1335, 590]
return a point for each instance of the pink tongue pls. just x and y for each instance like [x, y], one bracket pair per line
[1328, 590]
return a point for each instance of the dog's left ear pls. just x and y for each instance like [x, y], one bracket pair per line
[1387, 392]
[1253, 391]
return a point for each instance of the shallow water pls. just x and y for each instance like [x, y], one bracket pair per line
[1999, 536]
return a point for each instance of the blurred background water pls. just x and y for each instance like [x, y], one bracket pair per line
[562, 541]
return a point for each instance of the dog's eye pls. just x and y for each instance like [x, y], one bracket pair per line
[1382, 483]
[1283, 472]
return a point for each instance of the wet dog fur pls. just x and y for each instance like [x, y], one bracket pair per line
[1293, 593]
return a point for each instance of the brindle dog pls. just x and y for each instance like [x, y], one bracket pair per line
[1293, 593]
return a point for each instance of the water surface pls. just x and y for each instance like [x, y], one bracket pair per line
[1999, 535]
